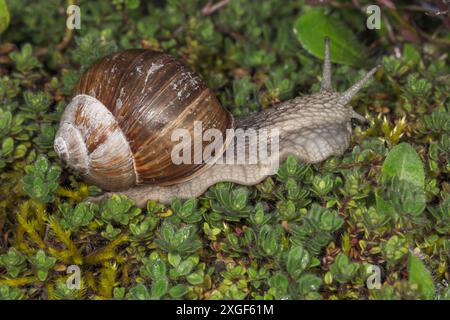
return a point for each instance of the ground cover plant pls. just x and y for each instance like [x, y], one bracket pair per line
[372, 224]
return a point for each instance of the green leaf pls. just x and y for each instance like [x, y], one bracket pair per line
[313, 26]
[298, 260]
[167, 232]
[404, 163]
[269, 240]
[309, 282]
[178, 291]
[4, 16]
[132, 4]
[342, 269]
[8, 293]
[174, 259]
[5, 121]
[42, 274]
[41, 164]
[280, 282]
[195, 278]
[384, 207]
[185, 267]
[395, 248]
[158, 269]
[139, 292]
[159, 288]
[410, 55]
[7, 146]
[420, 276]
[119, 293]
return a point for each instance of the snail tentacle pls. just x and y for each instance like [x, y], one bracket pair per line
[347, 95]
[326, 73]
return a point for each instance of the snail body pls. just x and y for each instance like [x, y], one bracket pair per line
[116, 130]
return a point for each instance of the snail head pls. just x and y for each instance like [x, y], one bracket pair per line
[344, 98]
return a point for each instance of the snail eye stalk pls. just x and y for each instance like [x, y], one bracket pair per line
[326, 73]
[347, 95]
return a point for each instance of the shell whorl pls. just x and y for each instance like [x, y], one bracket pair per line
[126, 107]
[90, 141]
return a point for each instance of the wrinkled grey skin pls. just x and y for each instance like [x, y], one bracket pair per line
[311, 128]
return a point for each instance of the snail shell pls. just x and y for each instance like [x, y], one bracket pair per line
[116, 131]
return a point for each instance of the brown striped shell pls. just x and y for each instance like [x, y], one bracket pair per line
[117, 129]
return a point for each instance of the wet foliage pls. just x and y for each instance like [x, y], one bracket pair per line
[372, 224]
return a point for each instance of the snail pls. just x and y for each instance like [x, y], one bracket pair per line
[117, 129]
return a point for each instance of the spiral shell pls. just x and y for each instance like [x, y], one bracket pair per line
[117, 129]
